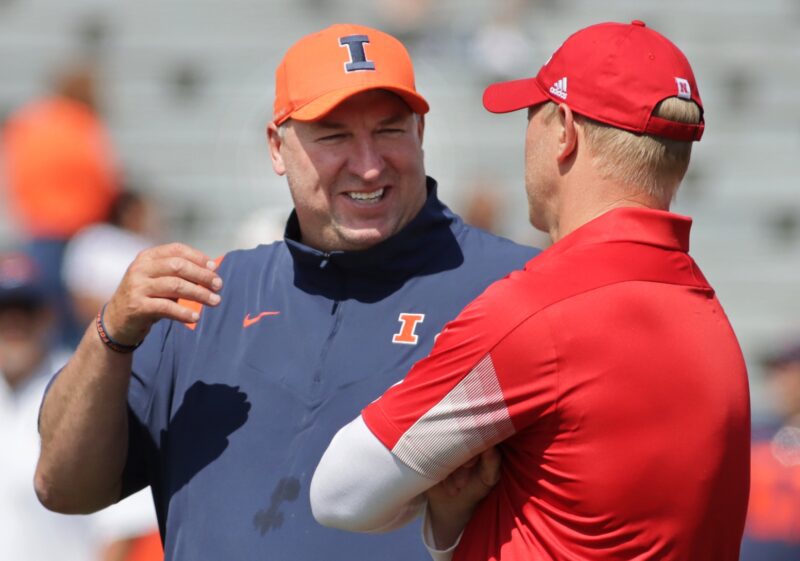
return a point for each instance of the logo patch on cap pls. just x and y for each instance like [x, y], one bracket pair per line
[358, 57]
[684, 88]
[559, 89]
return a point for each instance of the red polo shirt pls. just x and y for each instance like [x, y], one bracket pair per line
[610, 376]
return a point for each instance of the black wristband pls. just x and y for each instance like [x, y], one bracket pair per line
[106, 338]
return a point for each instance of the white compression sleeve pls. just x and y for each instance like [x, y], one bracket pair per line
[361, 486]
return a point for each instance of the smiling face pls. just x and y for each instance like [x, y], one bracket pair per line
[356, 176]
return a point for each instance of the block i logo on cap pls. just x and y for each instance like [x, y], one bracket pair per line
[358, 56]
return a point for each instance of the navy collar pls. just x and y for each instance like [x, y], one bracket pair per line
[405, 253]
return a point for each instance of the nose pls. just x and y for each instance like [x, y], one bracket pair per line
[366, 160]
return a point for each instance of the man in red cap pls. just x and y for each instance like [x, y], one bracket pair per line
[605, 372]
[230, 401]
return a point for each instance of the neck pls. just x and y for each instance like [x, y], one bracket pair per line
[578, 205]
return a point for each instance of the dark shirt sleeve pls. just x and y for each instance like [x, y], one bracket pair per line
[151, 380]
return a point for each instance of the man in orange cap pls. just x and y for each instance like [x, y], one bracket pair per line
[605, 372]
[227, 405]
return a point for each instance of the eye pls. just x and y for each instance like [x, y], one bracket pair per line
[328, 138]
[391, 131]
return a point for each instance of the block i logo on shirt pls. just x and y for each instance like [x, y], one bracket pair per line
[408, 326]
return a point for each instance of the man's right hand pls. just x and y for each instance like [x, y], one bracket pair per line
[452, 501]
[84, 417]
[151, 287]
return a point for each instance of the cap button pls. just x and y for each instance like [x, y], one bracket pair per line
[638, 22]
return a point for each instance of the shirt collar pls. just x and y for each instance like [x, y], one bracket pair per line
[648, 226]
[405, 252]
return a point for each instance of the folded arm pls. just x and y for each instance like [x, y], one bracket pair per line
[361, 487]
[379, 493]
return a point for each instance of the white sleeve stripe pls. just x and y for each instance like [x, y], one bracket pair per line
[469, 419]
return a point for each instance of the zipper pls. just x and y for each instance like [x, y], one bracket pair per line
[323, 355]
[336, 312]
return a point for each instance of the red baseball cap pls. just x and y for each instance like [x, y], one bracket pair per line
[614, 73]
[323, 69]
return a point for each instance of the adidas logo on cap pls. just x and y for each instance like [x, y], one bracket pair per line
[559, 89]
[621, 92]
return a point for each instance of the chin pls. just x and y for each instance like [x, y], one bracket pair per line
[537, 220]
[364, 239]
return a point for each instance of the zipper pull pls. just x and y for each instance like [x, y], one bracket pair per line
[326, 258]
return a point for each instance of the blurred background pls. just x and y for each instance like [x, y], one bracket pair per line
[181, 91]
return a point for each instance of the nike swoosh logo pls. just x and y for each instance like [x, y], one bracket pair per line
[248, 321]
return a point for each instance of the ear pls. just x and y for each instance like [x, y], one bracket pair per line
[568, 136]
[420, 127]
[275, 142]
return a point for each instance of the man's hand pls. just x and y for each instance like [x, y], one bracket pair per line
[84, 416]
[153, 283]
[452, 502]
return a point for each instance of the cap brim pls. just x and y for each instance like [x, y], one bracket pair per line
[21, 296]
[323, 105]
[504, 97]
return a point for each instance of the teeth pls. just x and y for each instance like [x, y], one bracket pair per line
[373, 196]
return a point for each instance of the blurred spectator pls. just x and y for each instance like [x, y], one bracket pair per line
[408, 20]
[481, 207]
[263, 226]
[59, 162]
[96, 258]
[136, 213]
[773, 524]
[60, 173]
[502, 48]
[28, 531]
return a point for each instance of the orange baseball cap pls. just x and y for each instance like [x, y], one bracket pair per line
[323, 69]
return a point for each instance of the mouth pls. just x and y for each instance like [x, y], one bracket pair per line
[371, 197]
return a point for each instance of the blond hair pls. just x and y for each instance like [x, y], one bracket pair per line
[651, 163]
